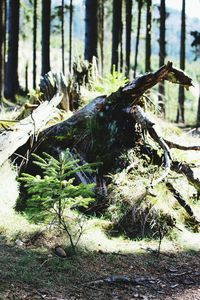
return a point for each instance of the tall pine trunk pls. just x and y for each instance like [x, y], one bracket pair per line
[116, 32]
[2, 41]
[70, 34]
[138, 35]
[101, 33]
[46, 18]
[11, 78]
[34, 42]
[181, 97]
[148, 36]
[129, 4]
[162, 54]
[91, 17]
[62, 37]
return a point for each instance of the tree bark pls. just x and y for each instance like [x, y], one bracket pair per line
[46, 19]
[148, 36]
[34, 42]
[11, 80]
[91, 17]
[129, 4]
[181, 97]
[2, 40]
[116, 32]
[138, 36]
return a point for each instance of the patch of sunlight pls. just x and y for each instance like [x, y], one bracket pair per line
[11, 223]
[8, 187]
[95, 239]
[189, 240]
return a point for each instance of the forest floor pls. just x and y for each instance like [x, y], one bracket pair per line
[104, 268]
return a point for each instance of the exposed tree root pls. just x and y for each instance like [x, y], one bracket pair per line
[183, 168]
[142, 119]
[181, 147]
[183, 203]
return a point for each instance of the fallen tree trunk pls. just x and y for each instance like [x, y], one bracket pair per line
[99, 131]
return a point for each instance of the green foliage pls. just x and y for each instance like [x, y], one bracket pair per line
[110, 83]
[53, 195]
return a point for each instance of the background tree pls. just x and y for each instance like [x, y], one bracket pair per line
[11, 79]
[101, 32]
[196, 45]
[181, 96]
[140, 3]
[116, 32]
[148, 36]
[91, 16]
[162, 53]
[46, 18]
[2, 40]
[34, 41]
[70, 33]
[62, 35]
[129, 4]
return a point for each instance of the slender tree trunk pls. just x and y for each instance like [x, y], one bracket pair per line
[121, 48]
[116, 32]
[70, 34]
[162, 54]
[46, 18]
[129, 4]
[2, 41]
[198, 112]
[11, 80]
[101, 32]
[91, 17]
[34, 42]
[148, 36]
[62, 36]
[181, 97]
[138, 36]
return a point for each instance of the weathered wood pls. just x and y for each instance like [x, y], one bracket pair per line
[11, 140]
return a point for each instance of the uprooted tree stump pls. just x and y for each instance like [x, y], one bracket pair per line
[103, 129]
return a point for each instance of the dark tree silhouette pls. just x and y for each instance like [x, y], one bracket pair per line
[11, 78]
[101, 32]
[70, 33]
[34, 41]
[181, 97]
[91, 26]
[148, 36]
[140, 2]
[116, 32]
[129, 4]
[46, 17]
[162, 53]
[2, 40]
